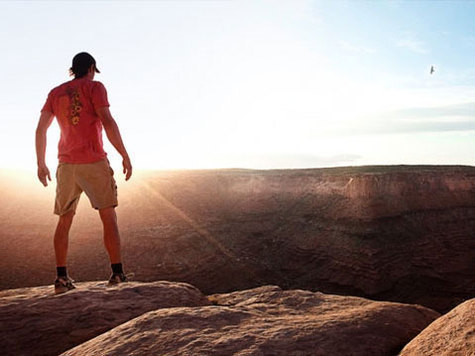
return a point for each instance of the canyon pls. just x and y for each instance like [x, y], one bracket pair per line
[281, 262]
[394, 233]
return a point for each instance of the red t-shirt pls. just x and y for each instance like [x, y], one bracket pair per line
[74, 104]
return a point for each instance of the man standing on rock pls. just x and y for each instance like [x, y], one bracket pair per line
[82, 110]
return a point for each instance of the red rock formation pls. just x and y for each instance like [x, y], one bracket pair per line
[452, 334]
[267, 321]
[383, 194]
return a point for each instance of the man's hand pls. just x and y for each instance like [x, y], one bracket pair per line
[43, 173]
[127, 167]
[45, 121]
[113, 134]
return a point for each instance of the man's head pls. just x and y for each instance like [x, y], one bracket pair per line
[83, 64]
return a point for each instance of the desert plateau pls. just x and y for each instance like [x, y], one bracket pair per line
[372, 260]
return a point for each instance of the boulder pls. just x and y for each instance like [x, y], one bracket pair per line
[267, 321]
[453, 334]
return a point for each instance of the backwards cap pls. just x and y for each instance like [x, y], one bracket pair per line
[83, 61]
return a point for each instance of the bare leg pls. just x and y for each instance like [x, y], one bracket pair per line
[111, 234]
[61, 238]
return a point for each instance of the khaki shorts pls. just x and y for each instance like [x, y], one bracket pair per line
[95, 179]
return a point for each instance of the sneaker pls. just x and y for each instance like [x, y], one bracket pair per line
[117, 278]
[63, 284]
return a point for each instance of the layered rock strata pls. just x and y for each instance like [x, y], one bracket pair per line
[398, 234]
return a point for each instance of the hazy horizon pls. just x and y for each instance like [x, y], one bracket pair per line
[252, 84]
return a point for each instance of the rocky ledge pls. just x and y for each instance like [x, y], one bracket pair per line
[164, 318]
[34, 321]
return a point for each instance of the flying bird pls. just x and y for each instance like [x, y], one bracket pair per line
[432, 70]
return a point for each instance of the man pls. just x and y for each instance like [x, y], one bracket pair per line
[82, 110]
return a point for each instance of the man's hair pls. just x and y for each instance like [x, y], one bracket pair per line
[81, 64]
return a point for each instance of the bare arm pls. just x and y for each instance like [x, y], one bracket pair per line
[43, 124]
[113, 134]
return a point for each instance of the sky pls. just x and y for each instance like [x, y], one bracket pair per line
[251, 84]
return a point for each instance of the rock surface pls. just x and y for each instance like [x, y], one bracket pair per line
[267, 321]
[34, 321]
[453, 334]
[398, 233]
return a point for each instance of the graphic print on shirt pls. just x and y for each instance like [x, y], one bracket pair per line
[75, 105]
